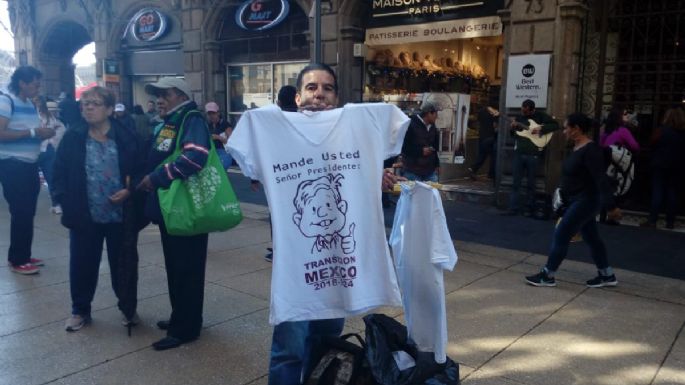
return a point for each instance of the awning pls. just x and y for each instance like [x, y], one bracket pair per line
[441, 30]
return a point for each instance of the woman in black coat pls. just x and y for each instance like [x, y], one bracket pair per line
[98, 164]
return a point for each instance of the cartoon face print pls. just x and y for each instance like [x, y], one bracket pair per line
[321, 214]
[164, 146]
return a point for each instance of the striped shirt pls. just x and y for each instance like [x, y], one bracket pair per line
[24, 117]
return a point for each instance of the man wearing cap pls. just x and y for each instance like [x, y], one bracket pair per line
[221, 130]
[184, 256]
[419, 154]
[124, 117]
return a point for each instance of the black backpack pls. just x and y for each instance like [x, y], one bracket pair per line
[339, 362]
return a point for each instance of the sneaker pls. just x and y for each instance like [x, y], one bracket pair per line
[25, 269]
[57, 210]
[76, 322]
[269, 257]
[133, 321]
[472, 174]
[541, 279]
[602, 280]
[37, 262]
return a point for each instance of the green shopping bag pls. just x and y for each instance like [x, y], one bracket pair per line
[204, 202]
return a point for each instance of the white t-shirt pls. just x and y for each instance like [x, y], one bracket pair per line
[423, 248]
[322, 173]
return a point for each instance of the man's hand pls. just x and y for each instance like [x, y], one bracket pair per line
[389, 179]
[145, 184]
[44, 133]
[535, 131]
[119, 196]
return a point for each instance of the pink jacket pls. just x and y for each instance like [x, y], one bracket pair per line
[620, 136]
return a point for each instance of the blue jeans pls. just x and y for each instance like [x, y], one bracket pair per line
[20, 187]
[290, 349]
[432, 177]
[46, 160]
[522, 162]
[85, 249]
[580, 216]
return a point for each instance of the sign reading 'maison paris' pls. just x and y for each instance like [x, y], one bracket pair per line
[258, 15]
[148, 25]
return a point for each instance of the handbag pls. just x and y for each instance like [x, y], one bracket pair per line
[204, 202]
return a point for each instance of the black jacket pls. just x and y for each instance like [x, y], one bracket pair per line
[418, 137]
[69, 179]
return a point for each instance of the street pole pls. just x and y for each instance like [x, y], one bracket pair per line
[317, 31]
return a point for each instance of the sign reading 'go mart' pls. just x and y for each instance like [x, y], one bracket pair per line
[441, 30]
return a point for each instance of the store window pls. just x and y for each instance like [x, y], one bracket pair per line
[256, 84]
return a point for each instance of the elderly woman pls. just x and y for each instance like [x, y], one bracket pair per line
[97, 163]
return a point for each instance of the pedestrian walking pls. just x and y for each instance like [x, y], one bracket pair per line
[487, 141]
[582, 184]
[221, 130]
[48, 147]
[419, 150]
[21, 134]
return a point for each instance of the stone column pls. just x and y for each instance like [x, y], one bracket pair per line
[193, 15]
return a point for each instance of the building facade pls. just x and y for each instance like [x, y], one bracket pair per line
[595, 54]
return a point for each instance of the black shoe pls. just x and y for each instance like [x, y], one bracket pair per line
[541, 279]
[167, 342]
[164, 325]
[269, 257]
[602, 280]
[472, 174]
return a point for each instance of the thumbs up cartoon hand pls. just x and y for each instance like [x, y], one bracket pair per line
[348, 242]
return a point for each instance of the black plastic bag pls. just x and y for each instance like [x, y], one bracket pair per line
[384, 335]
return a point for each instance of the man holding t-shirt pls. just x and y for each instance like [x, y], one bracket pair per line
[323, 272]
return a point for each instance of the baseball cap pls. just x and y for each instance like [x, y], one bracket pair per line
[52, 106]
[211, 107]
[429, 107]
[119, 107]
[165, 83]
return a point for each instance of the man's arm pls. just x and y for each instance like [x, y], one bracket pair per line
[548, 124]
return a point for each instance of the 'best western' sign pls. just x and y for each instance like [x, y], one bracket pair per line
[527, 78]
[442, 30]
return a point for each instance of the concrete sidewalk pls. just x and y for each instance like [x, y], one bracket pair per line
[501, 330]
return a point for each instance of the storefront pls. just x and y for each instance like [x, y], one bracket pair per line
[264, 46]
[446, 51]
[151, 47]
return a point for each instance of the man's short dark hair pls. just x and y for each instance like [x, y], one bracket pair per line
[286, 97]
[528, 104]
[26, 74]
[316, 67]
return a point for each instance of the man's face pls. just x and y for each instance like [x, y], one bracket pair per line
[172, 97]
[150, 106]
[30, 89]
[162, 106]
[213, 117]
[322, 215]
[318, 91]
[431, 117]
[527, 111]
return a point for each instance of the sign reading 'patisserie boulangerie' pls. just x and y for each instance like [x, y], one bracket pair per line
[442, 30]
